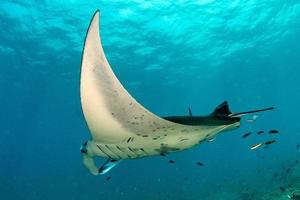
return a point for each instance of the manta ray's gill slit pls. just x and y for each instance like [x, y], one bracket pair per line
[143, 150]
[133, 151]
[118, 156]
[128, 140]
[104, 152]
[130, 152]
[122, 150]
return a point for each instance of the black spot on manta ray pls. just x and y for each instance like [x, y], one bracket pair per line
[171, 161]
[108, 178]
[184, 139]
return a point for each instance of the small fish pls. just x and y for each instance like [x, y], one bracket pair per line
[270, 142]
[199, 163]
[253, 119]
[255, 146]
[211, 139]
[260, 132]
[108, 178]
[162, 154]
[273, 131]
[282, 189]
[171, 161]
[246, 135]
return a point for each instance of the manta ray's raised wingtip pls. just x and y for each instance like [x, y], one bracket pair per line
[111, 113]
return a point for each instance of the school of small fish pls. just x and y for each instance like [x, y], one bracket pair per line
[264, 144]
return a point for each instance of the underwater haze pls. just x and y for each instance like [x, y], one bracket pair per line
[169, 55]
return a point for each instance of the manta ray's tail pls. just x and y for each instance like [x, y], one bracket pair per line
[223, 111]
[250, 112]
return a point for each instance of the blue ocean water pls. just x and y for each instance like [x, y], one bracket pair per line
[169, 55]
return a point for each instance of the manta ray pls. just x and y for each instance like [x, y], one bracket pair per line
[123, 129]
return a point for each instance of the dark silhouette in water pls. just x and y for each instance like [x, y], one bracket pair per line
[270, 142]
[273, 131]
[246, 135]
